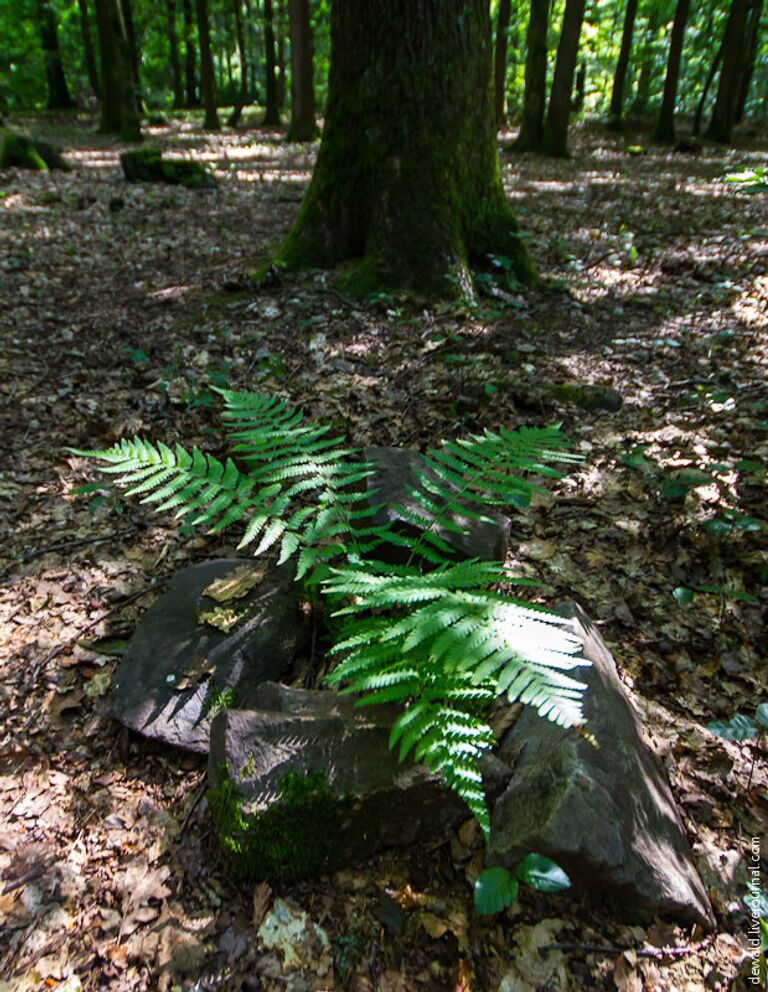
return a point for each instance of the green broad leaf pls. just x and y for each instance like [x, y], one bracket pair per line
[761, 715]
[717, 526]
[105, 645]
[538, 872]
[683, 595]
[495, 888]
[636, 459]
[738, 728]
[89, 487]
[750, 467]
[675, 490]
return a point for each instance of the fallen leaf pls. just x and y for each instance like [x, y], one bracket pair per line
[235, 585]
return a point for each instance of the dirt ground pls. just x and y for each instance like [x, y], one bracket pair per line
[122, 305]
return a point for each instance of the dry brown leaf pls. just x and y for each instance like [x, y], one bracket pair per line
[626, 977]
[434, 926]
[236, 585]
[262, 896]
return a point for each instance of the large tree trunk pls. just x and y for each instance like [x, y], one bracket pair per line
[555, 135]
[640, 103]
[750, 57]
[500, 60]
[207, 76]
[620, 76]
[271, 111]
[242, 96]
[303, 126]
[119, 114]
[724, 112]
[665, 127]
[407, 184]
[88, 49]
[173, 55]
[535, 97]
[56, 84]
[190, 56]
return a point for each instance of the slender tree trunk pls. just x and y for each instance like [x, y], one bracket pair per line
[242, 96]
[555, 135]
[271, 111]
[55, 80]
[640, 103]
[173, 55]
[303, 126]
[119, 114]
[620, 76]
[190, 58]
[714, 65]
[500, 60]
[750, 57]
[665, 127]
[207, 75]
[88, 49]
[407, 183]
[535, 97]
[130, 30]
[724, 112]
[280, 35]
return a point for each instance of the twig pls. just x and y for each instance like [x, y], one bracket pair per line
[198, 796]
[654, 952]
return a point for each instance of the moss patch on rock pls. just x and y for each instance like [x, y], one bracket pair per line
[23, 152]
[148, 165]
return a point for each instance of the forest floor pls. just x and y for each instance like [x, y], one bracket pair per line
[121, 306]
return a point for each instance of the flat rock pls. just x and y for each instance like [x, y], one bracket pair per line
[397, 469]
[606, 814]
[178, 666]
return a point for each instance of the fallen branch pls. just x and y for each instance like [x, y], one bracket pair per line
[655, 953]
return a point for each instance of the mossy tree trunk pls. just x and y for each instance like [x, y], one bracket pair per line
[88, 49]
[535, 97]
[271, 110]
[303, 126]
[190, 55]
[500, 60]
[58, 97]
[207, 74]
[133, 48]
[724, 112]
[119, 114]
[407, 181]
[665, 126]
[622, 65]
[554, 139]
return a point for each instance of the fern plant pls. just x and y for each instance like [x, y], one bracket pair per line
[439, 637]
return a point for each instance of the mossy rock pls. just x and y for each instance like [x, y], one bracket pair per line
[147, 165]
[22, 152]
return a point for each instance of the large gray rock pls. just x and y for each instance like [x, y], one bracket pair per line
[309, 732]
[397, 469]
[178, 666]
[606, 815]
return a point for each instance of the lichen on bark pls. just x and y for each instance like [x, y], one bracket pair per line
[407, 190]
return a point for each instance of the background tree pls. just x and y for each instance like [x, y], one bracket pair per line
[500, 60]
[56, 83]
[750, 57]
[89, 53]
[647, 60]
[535, 99]
[303, 126]
[207, 74]
[622, 65]
[271, 110]
[554, 139]
[242, 96]
[665, 127]
[732, 61]
[119, 113]
[190, 55]
[407, 185]
[173, 55]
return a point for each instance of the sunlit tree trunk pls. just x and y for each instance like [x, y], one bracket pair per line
[88, 49]
[119, 113]
[303, 126]
[535, 97]
[207, 74]
[173, 55]
[750, 57]
[58, 97]
[622, 65]
[724, 112]
[555, 135]
[500, 60]
[665, 127]
[407, 188]
[271, 111]
[190, 56]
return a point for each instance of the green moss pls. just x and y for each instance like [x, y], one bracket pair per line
[29, 153]
[296, 837]
[148, 165]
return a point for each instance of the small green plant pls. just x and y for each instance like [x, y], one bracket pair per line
[749, 180]
[440, 638]
[743, 728]
[496, 888]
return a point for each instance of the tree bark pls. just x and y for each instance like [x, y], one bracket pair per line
[715, 64]
[207, 76]
[58, 97]
[280, 61]
[407, 185]
[190, 56]
[88, 49]
[242, 96]
[500, 60]
[271, 111]
[133, 46]
[535, 97]
[665, 127]
[119, 114]
[173, 55]
[724, 112]
[620, 76]
[750, 57]
[555, 135]
[640, 103]
[303, 126]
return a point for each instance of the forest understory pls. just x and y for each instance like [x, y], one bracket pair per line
[123, 304]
